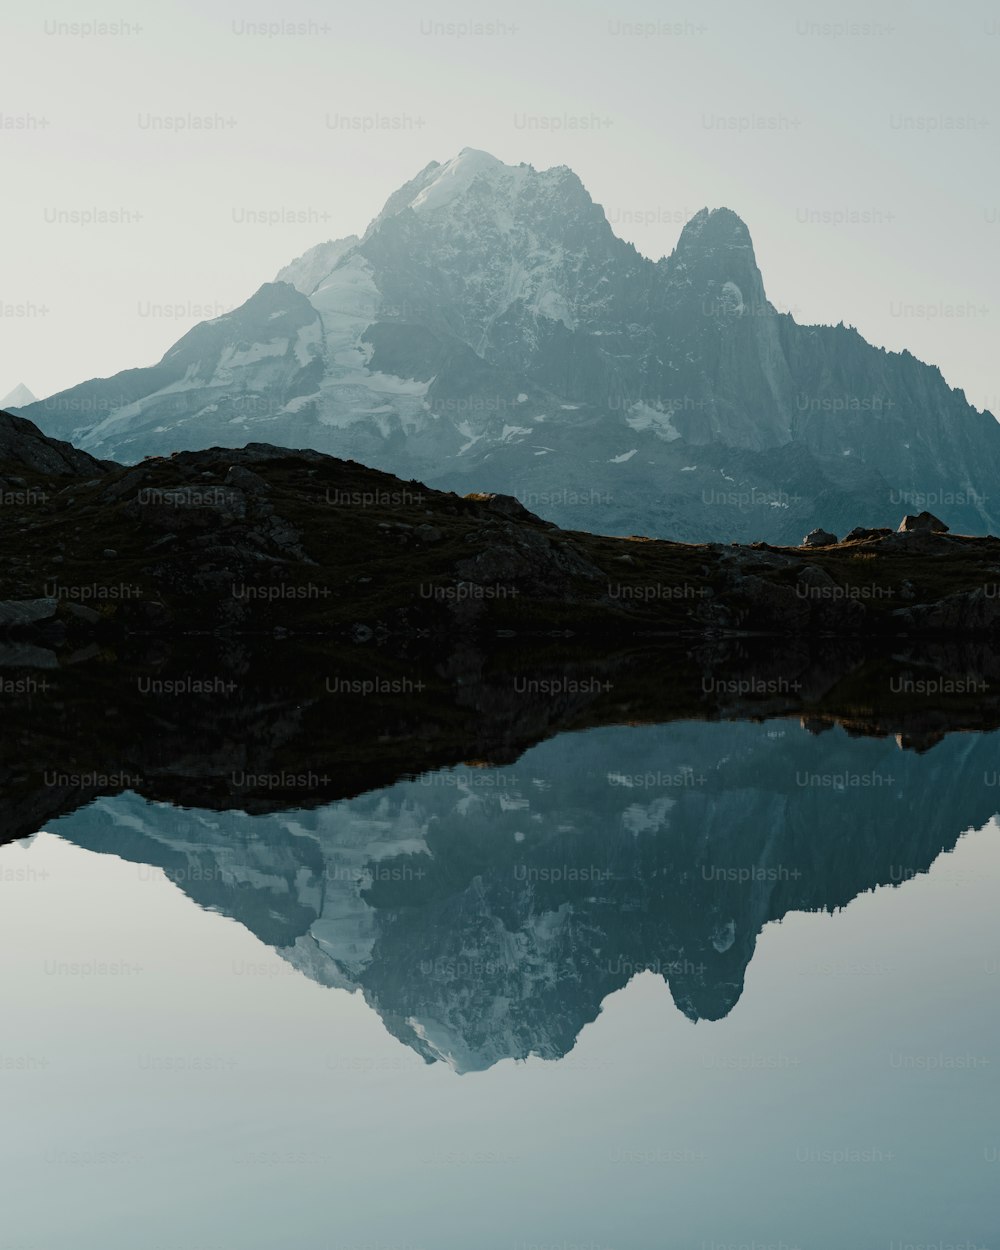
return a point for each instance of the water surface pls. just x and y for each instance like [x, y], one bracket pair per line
[658, 986]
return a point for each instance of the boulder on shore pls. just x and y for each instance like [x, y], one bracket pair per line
[819, 538]
[15, 613]
[923, 522]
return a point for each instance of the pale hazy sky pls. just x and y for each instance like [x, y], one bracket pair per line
[772, 109]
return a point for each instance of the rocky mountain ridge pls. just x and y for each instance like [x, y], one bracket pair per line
[261, 538]
[490, 331]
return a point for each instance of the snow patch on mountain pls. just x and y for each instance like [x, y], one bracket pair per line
[554, 305]
[308, 343]
[239, 357]
[300, 402]
[307, 271]
[470, 435]
[348, 302]
[643, 416]
[651, 817]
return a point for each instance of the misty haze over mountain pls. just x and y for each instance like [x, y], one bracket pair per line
[490, 331]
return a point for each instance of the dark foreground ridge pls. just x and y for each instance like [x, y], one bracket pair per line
[265, 539]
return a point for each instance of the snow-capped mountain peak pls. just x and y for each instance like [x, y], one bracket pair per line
[454, 178]
[490, 331]
[477, 184]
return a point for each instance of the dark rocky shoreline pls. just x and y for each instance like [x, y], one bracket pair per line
[263, 539]
[297, 723]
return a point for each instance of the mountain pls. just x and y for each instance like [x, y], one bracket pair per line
[19, 397]
[490, 330]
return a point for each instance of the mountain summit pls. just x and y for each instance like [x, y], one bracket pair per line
[19, 397]
[490, 330]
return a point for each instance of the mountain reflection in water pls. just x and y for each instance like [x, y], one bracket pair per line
[486, 913]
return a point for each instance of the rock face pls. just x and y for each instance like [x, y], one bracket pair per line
[490, 331]
[973, 611]
[924, 522]
[15, 614]
[819, 538]
[505, 505]
[22, 444]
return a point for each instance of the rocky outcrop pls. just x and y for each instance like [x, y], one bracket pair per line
[262, 538]
[972, 611]
[506, 505]
[23, 444]
[19, 614]
[923, 522]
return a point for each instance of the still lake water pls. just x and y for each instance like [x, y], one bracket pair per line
[696, 985]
